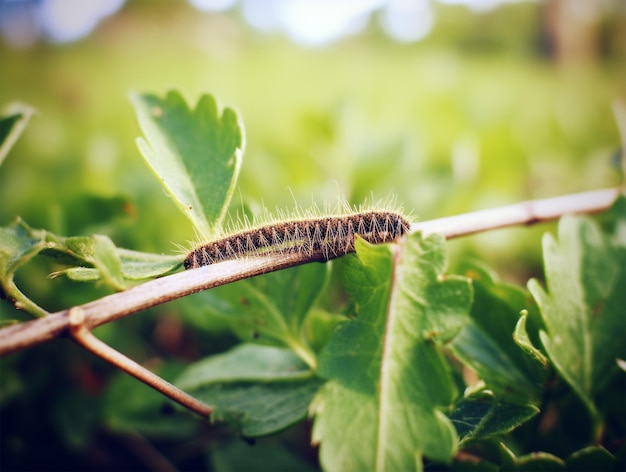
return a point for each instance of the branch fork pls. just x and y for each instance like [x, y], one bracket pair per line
[83, 336]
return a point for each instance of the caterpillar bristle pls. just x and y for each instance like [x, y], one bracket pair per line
[320, 239]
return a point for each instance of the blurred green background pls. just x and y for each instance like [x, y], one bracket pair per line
[485, 107]
[489, 108]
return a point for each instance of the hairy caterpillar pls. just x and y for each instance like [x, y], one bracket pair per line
[320, 239]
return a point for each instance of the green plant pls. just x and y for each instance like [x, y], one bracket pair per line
[381, 376]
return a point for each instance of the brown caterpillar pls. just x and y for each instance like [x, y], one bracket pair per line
[321, 239]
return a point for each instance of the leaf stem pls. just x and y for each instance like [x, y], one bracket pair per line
[81, 334]
[22, 302]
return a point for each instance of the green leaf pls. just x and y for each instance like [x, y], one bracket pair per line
[91, 259]
[18, 244]
[583, 307]
[257, 390]
[522, 339]
[135, 265]
[481, 416]
[594, 458]
[389, 383]
[107, 261]
[536, 462]
[318, 326]
[78, 274]
[264, 455]
[487, 345]
[271, 309]
[195, 153]
[143, 265]
[12, 125]
[132, 406]
[97, 251]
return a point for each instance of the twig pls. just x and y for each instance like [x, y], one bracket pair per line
[156, 292]
[524, 213]
[85, 338]
[141, 297]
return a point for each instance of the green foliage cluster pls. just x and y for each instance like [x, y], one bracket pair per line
[421, 368]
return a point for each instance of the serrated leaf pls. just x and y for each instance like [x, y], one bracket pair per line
[12, 125]
[257, 390]
[271, 309]
[195, 153]
[487, 344]
[382, 408]
[482, 416]
[583, 307]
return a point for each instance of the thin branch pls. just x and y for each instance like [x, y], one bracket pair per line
[85, 338]
[156, 292]
[524, 213]
[141, 297]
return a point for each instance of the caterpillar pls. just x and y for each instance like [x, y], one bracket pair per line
[320, 239]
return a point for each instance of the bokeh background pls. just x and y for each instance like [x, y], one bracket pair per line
[448, 106]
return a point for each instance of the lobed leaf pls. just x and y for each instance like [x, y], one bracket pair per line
[583, 306]
[481, 416]
[195, 153]
[388, 382]
[487, 343]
